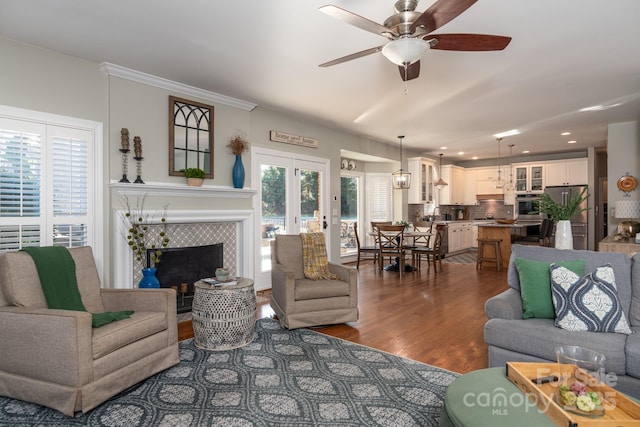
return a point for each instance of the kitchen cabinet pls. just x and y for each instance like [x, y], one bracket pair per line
[529, 178]
[470, 192]
[567, 172]
[460, 236]
[422, 174]
[454, 193]
[486, 180]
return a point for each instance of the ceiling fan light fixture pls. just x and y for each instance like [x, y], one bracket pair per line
[405, 50]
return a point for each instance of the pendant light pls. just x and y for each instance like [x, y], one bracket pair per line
[401, 180]
[440, 183]
[510, 186]
[499, 183]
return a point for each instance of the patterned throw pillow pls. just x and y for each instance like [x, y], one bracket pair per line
[314, 256]
[588, 303]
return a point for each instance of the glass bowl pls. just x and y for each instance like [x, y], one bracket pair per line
[589, 360]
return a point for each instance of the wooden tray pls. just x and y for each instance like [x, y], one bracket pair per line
[619, 409]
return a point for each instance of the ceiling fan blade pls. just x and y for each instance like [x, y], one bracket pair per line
[468, 42]
[441, 12]
[352, 56]
[411, 72]
[353, 19]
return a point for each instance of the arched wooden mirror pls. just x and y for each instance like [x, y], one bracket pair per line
[190, 136]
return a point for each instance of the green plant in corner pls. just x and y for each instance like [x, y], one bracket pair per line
[193, 173]
[561, 212]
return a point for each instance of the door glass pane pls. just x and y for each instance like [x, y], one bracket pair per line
[311, 216]
[349, 214]
[274, 208]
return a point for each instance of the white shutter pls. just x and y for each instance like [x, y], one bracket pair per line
[45, 185]
[379, 197]
[20, 183]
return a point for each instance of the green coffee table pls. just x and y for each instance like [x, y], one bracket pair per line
[487, 398]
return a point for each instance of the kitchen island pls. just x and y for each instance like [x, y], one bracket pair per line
[506, 232]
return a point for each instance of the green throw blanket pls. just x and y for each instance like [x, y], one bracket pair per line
[57, 272]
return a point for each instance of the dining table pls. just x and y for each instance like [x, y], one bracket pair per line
[395, 266]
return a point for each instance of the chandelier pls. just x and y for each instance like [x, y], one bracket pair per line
[401, 180]
[499, 183]
[440, 183]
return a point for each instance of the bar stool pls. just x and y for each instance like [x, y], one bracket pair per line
[497, 258]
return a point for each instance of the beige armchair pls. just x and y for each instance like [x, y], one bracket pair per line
[299, 302]
[56, 359]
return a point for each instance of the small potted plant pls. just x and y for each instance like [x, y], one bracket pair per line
[195, 176]
[561, 214]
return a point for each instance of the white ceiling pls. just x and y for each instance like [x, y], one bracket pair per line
[565, 55]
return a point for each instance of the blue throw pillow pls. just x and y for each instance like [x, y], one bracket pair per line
[588, 303]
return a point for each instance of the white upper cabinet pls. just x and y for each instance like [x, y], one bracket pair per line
[529, 178]
[567, 172]
[422, 177]
[454, 193]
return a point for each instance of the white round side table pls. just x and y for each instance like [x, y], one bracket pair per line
[224, 317]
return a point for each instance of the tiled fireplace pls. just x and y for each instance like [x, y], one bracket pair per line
[192, 228]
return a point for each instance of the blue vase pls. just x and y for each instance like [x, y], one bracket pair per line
[149, 279]
[238, 172]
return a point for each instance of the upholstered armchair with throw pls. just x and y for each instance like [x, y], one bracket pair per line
[55, 357]
[301, 302]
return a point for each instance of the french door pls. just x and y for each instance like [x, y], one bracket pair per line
[292, 198]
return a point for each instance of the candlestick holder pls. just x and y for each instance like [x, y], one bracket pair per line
[125, 164]
[139, 170]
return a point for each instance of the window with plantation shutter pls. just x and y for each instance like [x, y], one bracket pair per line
[379, 197]
[47, 183]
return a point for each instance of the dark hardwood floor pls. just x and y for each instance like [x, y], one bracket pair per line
[433, 318]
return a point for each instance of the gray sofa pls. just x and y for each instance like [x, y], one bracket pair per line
[511, 338]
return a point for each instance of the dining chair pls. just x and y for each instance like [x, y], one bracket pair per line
[391, 238]
[365, 251]
[433, 254]
[420, 242]
[374, 229]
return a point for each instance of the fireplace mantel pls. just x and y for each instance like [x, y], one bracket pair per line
[180, 190]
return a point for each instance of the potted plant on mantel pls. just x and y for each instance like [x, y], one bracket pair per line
[195, 176]
[561, 214]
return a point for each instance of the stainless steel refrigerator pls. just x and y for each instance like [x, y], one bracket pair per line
[579, 222]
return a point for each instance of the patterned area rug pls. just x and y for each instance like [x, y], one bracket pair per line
[463, 258]
[283, 378]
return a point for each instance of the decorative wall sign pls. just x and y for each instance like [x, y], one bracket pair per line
[293, 139]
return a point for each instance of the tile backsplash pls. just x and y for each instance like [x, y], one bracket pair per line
[483, 209]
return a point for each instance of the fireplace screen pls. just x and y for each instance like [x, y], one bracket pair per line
[180, 268]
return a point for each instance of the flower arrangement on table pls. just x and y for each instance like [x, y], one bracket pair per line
[405, 223]
[139, 237]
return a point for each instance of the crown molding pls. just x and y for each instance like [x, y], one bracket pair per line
[148, 79]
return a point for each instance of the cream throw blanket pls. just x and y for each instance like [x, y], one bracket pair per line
[314, 256]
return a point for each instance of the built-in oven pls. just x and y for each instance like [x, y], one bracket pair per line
[527, 206]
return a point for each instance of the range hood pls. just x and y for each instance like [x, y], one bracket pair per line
[489, 196]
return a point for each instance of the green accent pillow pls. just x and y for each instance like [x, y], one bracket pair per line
[535, 286]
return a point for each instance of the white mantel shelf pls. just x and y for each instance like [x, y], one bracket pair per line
[180, 190]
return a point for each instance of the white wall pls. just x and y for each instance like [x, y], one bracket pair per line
[623, 156]
[43, 80]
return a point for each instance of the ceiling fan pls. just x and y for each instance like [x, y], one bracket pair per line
[410, 35]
